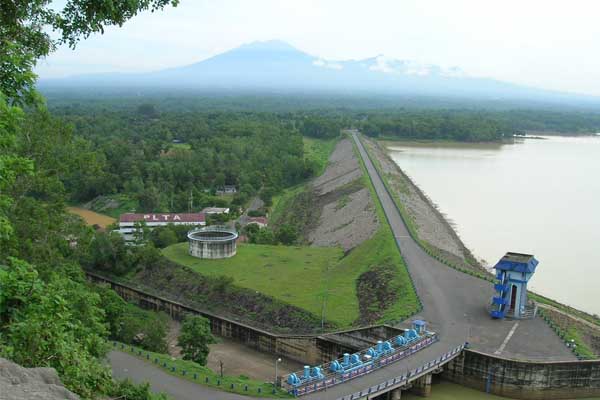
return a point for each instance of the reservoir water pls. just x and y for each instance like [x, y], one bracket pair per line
[532, 196]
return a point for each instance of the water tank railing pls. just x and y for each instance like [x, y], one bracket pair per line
[404, 379]
[311, 380]
[231, 232]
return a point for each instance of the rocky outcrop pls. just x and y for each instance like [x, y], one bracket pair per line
[18, 383]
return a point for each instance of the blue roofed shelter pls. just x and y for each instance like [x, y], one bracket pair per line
[513, 271]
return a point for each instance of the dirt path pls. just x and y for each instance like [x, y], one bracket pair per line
[237, 358]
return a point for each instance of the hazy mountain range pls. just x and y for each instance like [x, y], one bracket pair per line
[277, 66]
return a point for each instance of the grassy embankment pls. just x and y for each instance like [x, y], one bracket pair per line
[196, 373]
[296, 275]
[583, 349]
[382, 248]
[319, 280]
[569, 334]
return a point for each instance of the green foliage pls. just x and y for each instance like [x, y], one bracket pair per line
[108, 252]
[130, 324]
[127, 390]
[286, 234]
[316, 154]
[255, 152]
[57, 323]
[165, 236]
[320, 127]
[194, 339]
[457, 125]
[12, 167]
[570, 334]
[256, 235]
[147, 110]
[143, 328]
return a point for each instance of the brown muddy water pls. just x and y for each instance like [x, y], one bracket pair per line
[91, 217]
[532, 196]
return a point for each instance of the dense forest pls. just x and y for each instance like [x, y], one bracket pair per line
[174, 161]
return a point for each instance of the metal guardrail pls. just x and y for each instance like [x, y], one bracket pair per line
[405, 379]
[333, 379]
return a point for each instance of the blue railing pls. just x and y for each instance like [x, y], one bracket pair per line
[332, 379]
[404, 379]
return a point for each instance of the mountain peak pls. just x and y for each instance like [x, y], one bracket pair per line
[271, 45]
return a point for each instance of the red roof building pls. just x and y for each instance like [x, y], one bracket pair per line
[260, 221]
[163, 218]
[127, 221]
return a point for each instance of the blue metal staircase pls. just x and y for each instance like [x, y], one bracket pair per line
[500, 299]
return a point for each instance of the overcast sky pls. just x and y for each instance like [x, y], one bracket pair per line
[552, 44]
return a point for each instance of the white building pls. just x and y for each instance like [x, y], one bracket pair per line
[215, 210]
[128, 221]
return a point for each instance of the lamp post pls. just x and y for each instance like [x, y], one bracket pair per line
[276, 373]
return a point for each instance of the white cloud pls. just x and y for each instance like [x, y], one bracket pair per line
[545, 43]
[319, 62]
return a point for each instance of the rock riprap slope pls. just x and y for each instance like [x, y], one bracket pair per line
[347, 213]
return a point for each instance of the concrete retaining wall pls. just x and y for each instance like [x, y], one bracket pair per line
[306, 349]
[524, 379]
[504, 377]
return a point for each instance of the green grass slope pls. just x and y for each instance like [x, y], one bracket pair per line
[320, 280]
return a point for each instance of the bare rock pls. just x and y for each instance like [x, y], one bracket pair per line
[18, 383]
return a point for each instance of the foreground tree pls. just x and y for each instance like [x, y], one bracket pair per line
[194, 339]
[48, 315]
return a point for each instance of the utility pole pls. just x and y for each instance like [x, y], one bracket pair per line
[323, 311]
[276, 372]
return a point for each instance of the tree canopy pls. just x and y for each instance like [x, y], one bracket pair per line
[194, 339]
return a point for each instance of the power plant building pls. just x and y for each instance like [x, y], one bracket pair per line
[127, 222]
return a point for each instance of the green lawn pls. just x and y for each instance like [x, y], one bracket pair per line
[181, 146]
[296, 275]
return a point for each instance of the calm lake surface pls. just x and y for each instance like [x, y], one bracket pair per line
[534, 196]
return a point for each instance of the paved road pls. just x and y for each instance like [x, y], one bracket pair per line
[453, 304]
[127, 366]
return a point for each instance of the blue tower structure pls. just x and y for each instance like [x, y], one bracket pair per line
[513, 271]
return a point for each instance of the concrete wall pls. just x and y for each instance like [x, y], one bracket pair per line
[525, 380]
[306, 349]
[212, 250]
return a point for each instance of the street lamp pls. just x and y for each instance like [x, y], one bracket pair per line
[276, 374]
